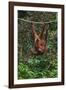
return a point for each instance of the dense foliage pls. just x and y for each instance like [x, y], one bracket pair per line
[38, 66]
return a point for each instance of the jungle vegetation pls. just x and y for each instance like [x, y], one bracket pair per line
[38, 66]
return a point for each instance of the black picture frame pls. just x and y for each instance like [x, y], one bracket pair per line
[11, 44]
